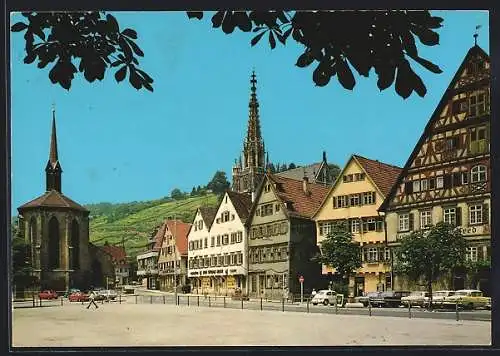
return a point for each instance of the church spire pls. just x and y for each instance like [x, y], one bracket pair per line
[53, 157]
[253, 132]
[53, 169]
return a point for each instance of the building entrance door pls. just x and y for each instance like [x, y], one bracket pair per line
[359, 286]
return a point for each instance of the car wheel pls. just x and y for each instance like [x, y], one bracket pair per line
[470, 306]
[325, 302]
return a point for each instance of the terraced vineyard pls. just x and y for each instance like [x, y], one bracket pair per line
[135, 228]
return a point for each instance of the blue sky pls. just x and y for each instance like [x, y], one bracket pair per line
[117, 144]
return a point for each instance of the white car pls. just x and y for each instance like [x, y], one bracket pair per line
[325, 297]
[417, 298]
[109, 294]
[438, 297]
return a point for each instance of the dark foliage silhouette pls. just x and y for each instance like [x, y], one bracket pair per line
[93, 38]
[335, 42]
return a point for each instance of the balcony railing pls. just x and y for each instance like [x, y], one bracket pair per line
[479, 147]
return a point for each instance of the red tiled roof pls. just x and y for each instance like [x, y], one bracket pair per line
[52, 199]
[208, 214]
[117, 253]
[242, 203]
[158, 238]
[383, 175]
[299, 203]
[180, 232]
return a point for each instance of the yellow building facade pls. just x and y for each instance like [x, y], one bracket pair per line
[355, 197]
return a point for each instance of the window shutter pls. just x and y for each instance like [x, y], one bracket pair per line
[480, 255]
[447, 181]
[365, 254]
[380, 254]
[488, 253]
[411, 221]
[458, 216]
[486, 214]
[374, 195]
[432, 183]
[380, 225]
[409, 187]
[335, 202]
[348, 200]
[457, 181]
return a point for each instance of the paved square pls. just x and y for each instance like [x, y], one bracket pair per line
[170, 325]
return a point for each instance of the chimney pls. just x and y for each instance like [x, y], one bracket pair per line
[305, 180]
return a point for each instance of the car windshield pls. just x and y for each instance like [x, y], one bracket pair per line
[462, 293]
[417, 294]
[442, 293]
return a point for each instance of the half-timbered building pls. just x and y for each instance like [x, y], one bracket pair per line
[447, 176]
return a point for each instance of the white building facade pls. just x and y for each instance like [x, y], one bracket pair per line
[217, 256]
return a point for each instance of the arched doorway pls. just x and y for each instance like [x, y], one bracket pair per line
[75, 243]
[54, 252]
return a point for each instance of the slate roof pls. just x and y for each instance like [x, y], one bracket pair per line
[382, 174]
[298, 173]
[52, 199]
[242, 203]
[180, 232]
[208, 214]
[298, 203]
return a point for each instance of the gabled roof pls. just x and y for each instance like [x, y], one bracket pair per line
[310, 171]
[52, 199]
[382, 174]
[242, 203]
[158, 238]
[180, 232]
[473, 51]
[291, 194]
[208, 214]
[117, 253]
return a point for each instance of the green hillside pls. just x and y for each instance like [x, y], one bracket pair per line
[135, 222]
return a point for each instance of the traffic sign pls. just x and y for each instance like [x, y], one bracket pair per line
[301, 279]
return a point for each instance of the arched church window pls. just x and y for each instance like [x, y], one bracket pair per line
[54, 244]
[75, 243]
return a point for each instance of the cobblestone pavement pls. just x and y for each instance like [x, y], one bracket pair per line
[170, 325]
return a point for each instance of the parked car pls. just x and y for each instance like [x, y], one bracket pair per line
[438, 297]
[391, 299]
[416, 298]
[325, 297]
[367, 298]
[47, 294]
[78, 297]
[70, 291]
[467, 299]
[109, 294]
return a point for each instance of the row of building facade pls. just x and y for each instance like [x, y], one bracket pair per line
[266, 230]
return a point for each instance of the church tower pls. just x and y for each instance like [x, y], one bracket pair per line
[57, 230]
[249, 170]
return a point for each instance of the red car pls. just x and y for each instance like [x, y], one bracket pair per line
[78, 297]
[47, 294]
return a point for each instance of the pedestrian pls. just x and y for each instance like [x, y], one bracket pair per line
[313, 293]
[92, 300]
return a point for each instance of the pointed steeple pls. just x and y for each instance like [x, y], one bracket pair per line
[253, 132]
[53, 157]
[53, 170]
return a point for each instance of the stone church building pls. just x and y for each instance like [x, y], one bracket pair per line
[57, 229]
